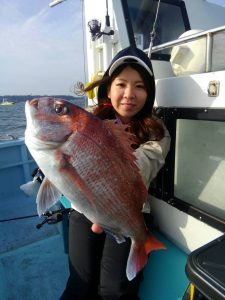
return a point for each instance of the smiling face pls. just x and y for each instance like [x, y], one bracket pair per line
[128, 94]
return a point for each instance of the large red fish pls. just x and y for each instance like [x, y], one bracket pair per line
[91, 162]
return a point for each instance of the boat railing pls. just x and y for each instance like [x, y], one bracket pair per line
[208, 34]
[16, 166]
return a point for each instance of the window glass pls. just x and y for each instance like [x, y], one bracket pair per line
[170, 24]
[218, 55]
[200, 165]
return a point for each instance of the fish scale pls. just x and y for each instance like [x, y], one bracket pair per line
[95, 182]
[81, 167]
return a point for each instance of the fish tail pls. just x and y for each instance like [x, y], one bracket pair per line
[138, 256]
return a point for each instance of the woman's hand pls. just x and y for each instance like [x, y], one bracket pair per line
[96, 228]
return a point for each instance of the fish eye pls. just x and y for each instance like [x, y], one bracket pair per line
[61, 109]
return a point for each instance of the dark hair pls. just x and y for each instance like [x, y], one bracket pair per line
[143, 125]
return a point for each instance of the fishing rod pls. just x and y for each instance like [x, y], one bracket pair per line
[56, 2]
[153, 32]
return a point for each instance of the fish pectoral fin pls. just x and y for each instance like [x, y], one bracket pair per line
[138, 255]
[47, 196]
[30, 188]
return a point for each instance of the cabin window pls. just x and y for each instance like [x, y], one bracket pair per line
[199, 172]
[218, 55]
[172, 21]
[193, 178]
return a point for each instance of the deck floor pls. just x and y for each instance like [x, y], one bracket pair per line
[33, 264]
[38, 271]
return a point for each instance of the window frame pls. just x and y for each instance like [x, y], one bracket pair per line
[163, 187]
[155, 56]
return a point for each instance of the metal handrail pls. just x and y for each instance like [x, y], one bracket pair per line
[209, 37]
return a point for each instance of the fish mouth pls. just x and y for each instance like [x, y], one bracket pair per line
[33, 102]
[31, 106]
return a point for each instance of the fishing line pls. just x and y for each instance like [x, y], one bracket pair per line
[18, 218]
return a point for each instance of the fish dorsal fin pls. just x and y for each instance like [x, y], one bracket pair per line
[126, 138]
[47, 196]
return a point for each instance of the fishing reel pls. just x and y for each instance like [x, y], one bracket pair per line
[95, 30]
[53, 217]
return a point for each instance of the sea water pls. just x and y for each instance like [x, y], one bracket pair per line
[13, 120]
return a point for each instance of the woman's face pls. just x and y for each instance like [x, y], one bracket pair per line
[128, 94]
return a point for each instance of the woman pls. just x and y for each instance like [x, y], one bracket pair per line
[97, 262]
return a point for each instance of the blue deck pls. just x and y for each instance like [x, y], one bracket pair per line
[38, 271]
[33, 264]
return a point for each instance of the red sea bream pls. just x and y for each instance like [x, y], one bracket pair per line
[91, 162]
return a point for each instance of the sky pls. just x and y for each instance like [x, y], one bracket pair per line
[41, 48]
